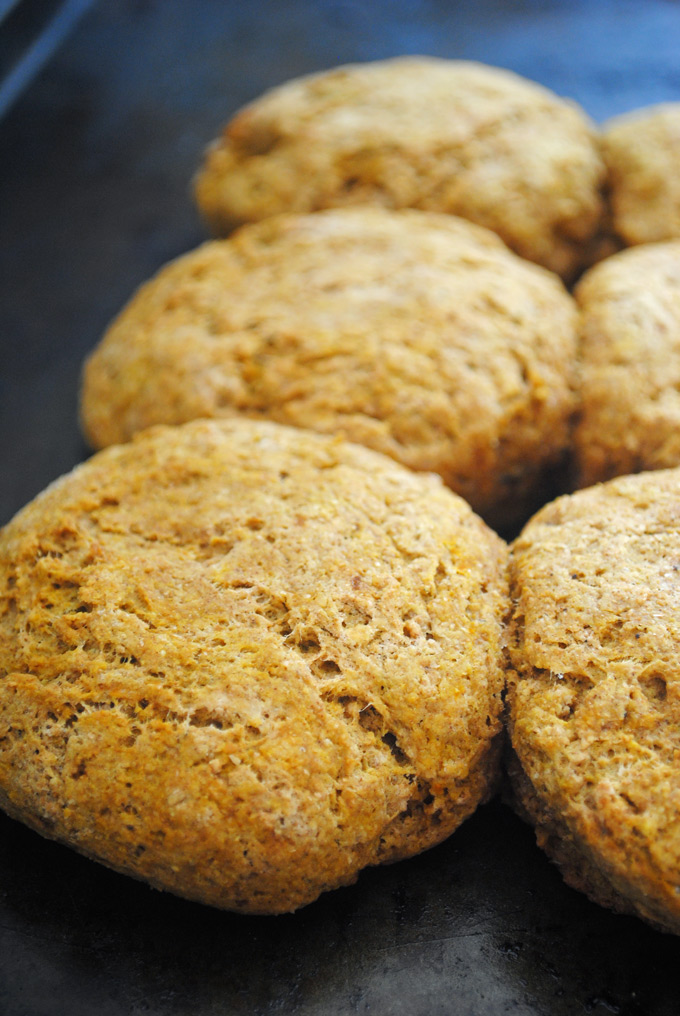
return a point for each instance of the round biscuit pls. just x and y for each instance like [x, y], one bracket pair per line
[641, 151]
[416, 334]
[594, 690]
[629, 370]
[242, 662]
[441, 135]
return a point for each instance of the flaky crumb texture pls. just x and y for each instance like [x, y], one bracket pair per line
[629, 364]
[243, 662]
[415, 132]
[594, 700]
[418, 335]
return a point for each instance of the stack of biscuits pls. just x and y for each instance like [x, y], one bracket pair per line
[269, 634]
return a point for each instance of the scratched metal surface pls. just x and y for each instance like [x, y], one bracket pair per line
[95, 160]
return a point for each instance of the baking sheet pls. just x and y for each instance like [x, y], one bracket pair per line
[94, 178]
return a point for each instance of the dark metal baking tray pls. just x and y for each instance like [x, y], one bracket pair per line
[30, 33]
[94, 196]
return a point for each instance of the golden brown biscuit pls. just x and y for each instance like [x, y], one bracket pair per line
[642, 153]
[415, 132]
[243, 662]
[594, 700]
[630, 364]
[416, 334]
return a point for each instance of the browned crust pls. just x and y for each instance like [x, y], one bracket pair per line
[641, 151]
[416, 334]
[242, 662]
[446, 136]
[629, 364]
[593, 694]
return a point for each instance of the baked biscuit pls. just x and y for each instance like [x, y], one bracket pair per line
[629, 364]
[415, 132]
[594, 700]
[242, 662]
[642, 153]
[419, 335]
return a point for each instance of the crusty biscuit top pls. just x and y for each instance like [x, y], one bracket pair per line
[419, 132]
[629, 364]
[642, 153]
[419, 335]
[595, 701]
[242, 661]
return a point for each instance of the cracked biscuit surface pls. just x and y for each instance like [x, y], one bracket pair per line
[419, 132]
[641, 151]
[594, 697]
[242, 662]
[629, 364]
[416, 334]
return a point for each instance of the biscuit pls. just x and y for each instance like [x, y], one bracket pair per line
[415, 132]
[594, 699]
[629, 364]
[641, 151]
[242, 662]
[416, 334]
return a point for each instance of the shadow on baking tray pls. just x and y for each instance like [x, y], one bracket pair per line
[405, 939]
